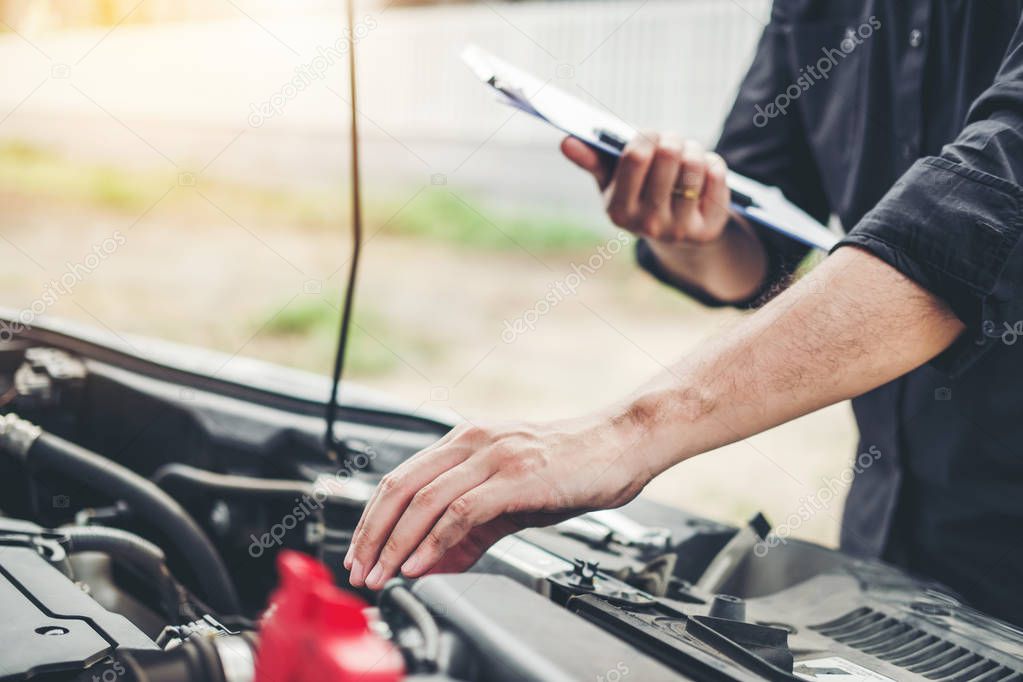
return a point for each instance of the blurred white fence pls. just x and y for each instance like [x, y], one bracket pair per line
[660, 64]
[177, 93]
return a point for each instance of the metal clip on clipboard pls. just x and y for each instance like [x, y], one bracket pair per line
[764, 205]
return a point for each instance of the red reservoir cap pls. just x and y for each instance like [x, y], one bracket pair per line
[314, 632]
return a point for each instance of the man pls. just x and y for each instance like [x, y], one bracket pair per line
[911, 133]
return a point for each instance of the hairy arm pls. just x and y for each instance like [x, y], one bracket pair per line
[851, 325]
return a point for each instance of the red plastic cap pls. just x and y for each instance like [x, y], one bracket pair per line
[313, 631]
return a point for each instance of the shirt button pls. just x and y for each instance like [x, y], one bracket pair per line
[916, 38]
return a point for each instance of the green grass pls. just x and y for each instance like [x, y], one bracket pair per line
[304, 317]
[436, 214]
[444, 216]
[36, 172]
[375, 348]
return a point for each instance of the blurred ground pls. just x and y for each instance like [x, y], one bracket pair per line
[255, 272]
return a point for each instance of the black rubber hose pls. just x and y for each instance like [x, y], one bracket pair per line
[119, 544]
[149, 502]
[197, 659]
[130, 549]
[398, 596]
[172, 476]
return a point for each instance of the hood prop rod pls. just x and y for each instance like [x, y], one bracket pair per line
[336, 449]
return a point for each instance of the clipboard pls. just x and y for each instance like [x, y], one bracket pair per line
[762, 204]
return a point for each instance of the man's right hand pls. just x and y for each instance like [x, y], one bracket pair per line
[664, 188]
[673, 193]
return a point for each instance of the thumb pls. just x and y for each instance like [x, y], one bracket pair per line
[587, 158]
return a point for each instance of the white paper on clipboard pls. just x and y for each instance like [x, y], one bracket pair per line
[760, 203]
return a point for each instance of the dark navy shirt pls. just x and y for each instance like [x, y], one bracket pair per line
[904, 118]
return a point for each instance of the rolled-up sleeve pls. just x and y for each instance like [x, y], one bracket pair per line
[954, 222]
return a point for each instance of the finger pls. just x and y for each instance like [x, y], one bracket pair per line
[477, 507]
[394, 493]
[443, 440]
[661, 179]
[686, 207]
[464, 554]
[587, 158]
[716, 196]
[629, 176]
[426, 507]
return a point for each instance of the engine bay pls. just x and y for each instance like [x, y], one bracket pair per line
[152, 507]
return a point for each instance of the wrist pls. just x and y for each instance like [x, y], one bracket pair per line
[729, 269]
[660, 424]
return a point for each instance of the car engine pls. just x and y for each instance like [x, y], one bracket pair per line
[168, 517]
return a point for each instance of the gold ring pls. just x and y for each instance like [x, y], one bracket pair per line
[690, 193]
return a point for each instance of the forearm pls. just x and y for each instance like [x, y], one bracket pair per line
[852, 324]
[731, 268]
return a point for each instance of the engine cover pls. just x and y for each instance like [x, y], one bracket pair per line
[49, 624]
